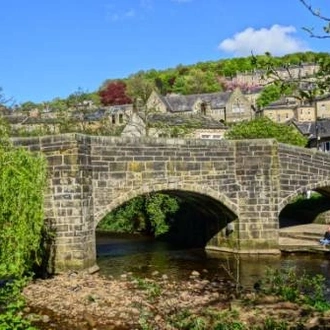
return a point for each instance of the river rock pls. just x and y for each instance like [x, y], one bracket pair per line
[94, 269]
[195, 273]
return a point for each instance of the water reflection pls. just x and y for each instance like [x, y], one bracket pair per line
[143, 256]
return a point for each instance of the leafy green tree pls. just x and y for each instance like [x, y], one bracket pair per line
[147, 214]
[270, 94]
[29, 106]
[139, 88]
[265, 128]
[197, 81]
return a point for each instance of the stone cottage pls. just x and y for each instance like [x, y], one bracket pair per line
[229, 106]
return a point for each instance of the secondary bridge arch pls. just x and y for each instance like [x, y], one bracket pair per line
[90, 175]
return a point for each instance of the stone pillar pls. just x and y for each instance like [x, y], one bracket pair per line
[257, 173]
[69, 204]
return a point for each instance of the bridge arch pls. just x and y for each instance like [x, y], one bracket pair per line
[166, 187]
[322, 187]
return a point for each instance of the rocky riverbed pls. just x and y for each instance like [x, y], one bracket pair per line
[87, 301]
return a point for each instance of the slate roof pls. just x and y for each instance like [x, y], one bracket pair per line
[308, 128]
[280, 104]
[95, 115]
[119, 108]
[184, 103]
[197, 121]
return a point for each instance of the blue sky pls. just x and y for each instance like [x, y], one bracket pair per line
[50, 49]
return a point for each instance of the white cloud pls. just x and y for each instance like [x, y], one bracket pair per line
[278, 40]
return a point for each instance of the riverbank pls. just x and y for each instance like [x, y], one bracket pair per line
[89, 301]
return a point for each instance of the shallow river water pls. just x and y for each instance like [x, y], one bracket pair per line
[143, 256]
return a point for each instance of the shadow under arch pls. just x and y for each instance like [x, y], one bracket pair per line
[199, 219]
[146, 189]
[306, 211]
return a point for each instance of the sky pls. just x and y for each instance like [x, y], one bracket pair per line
[51, 49]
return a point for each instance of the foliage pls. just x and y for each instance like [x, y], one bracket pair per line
[147, 213]
[265, 128]
[5, 132]
[11, 305]
[299, 288]
[305, 89]
[114, 93]
[139, 88]
[29, 106]
[317, 13]
[22, 177]
[270, 94]
[152, 288]
[196, 82]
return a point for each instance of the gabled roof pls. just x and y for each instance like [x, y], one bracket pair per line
[183, 103]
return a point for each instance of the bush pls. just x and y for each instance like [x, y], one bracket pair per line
[265, 128]
[22, 177]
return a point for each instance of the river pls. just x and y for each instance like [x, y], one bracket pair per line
[141, 256]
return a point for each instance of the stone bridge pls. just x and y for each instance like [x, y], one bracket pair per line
[242, 184]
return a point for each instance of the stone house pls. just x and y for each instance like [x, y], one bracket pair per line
[258, 77]
[119, 114]
[323, 107]
[280, 111]
[229, 106]
[288, 108]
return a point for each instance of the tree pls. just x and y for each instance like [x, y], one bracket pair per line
[114, 93]
[306, 89]
[139, 88]
[270, 94]
[326, 28]
[147, 214]
[197, 81]
[265, 128]
[79, 101]
[29, 106]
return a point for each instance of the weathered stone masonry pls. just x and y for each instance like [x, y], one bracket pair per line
[90, 176]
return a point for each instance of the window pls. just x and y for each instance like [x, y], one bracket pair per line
[121, 118]
[237, 107]
[205, 136]
[203, 109]
[113, 119]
